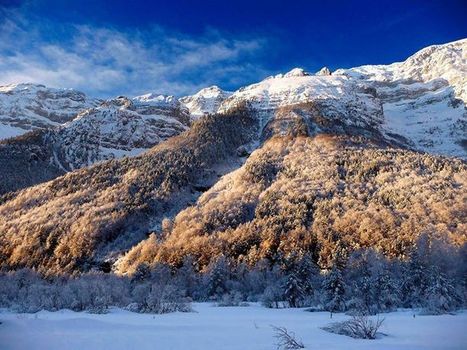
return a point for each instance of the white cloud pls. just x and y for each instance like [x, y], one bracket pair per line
[106, 62]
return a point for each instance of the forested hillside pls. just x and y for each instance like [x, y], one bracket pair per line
[297, 196]
[79, 220]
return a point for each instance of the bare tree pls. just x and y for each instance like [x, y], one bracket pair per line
[286, 340]
[360, 327]
[363, 327]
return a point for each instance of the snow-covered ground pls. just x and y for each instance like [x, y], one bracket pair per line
[220, 328]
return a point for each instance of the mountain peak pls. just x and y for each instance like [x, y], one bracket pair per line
[155, 99]
[205, 101]
[211, 91]
[296, 72]
[323, 71]
[19, 87]
[211, 88]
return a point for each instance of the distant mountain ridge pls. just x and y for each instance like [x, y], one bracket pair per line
[113, 129]
[421, 99]
[417, 104]
[26, 107]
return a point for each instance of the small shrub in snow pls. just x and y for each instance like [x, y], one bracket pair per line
[98, 309]
[159, 299]
[272, 297]
[360, 327]
[232, 299]
[100, 305]
[133, 307]
[286, 340]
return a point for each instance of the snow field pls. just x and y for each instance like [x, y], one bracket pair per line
[212, 327]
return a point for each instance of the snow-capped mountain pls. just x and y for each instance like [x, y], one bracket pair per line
[205, 101]
[116, 128]
[423, 98]
[85, 130]
[418, 103]
[120, 127]
[447, 61]
[26, 107]
[338, 99]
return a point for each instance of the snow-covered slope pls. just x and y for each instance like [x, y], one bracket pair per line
[206, 101]
[25, 107]
[423, 97]
[448, 61]
[119, 127]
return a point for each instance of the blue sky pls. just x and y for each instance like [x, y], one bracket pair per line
[114, 47]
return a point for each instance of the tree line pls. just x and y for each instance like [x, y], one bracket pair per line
[431, 280]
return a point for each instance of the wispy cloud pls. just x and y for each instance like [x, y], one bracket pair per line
[105, 62]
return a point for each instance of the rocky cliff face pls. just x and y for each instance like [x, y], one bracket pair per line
[119, 127]
[338, 100]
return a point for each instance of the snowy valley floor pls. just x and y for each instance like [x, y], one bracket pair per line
[212, 327]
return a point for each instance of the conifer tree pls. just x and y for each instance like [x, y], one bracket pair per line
[333, 287]
[386, 292]
[293, 290]
[415, 281]
[217, 278]
[306, 271]
[441, 296]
